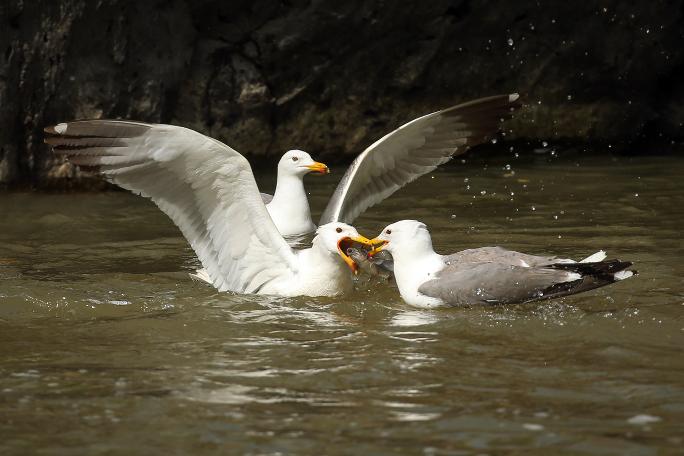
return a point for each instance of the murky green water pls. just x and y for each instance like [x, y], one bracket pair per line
[106, 346]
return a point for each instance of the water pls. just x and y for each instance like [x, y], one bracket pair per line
[106, 346]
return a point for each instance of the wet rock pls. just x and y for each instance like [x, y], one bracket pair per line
[331, 77]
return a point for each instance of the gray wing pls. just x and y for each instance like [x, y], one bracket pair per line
[500, 255]
[266, 198]
[412, 150]
[463, 283]
[204, 186]
[492, 283]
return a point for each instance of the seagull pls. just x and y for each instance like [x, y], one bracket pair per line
[398, 158]
[208, 190]
[487, 275]
[289, 206]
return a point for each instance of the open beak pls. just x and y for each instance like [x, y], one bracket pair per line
[319, 168]
[378, 245]
[347, 242]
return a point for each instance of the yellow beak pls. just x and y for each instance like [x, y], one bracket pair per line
[319, 168]
[379, 245]
[346, 242]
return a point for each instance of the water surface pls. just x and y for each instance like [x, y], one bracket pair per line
[107, 347]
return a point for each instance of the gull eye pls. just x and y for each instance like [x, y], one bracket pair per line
[294, 159]
[388, 231]
[338, 229]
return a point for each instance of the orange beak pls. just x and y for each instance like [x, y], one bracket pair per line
[378, 245]
[346, 242]
[318, 168]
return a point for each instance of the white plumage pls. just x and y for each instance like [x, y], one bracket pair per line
[209, 192]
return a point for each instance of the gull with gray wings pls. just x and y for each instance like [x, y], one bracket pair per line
[487, 275]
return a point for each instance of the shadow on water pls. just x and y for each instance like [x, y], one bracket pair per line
[108, 346]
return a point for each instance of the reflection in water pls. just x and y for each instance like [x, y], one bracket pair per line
[414, 318]
[107, 346]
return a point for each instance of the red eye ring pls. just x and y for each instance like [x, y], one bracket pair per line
[338, 229]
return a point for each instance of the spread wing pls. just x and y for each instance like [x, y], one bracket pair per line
[204, 186]
[412, 150]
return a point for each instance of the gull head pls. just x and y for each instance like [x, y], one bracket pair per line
[299, 163]
[338, 238]
[403, 237]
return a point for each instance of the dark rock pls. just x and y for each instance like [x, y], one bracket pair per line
[331, 77]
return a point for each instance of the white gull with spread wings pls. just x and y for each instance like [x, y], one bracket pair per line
[209, 192]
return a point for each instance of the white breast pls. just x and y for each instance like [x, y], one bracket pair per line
[291, 221]
[410, 274]
[320, 274]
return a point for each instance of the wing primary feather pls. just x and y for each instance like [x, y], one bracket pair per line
[206, 188]
[414, 149]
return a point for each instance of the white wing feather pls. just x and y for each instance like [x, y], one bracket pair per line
[204, 186]
[412, 150]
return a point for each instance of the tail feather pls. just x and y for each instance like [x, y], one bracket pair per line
[595, 258]
[591, 275]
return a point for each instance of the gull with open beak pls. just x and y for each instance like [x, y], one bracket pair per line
[208, 190]
[488, 275]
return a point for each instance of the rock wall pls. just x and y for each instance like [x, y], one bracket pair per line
[332, 76]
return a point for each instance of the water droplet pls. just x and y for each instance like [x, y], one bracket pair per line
[636, 195]
[533, 427]
[507, 167]
[494, 141]
[569, 97]
[466, 179]
[483, 192]
[516, 155]
[545, 144]
[453, 216]
[555, 217]
[643, 419]
[510, 41]
[534, 208]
